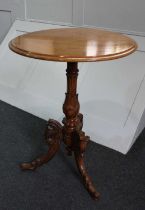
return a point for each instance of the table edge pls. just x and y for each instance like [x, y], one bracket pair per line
[72, 59]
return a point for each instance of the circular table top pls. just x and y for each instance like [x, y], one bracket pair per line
[73, 45]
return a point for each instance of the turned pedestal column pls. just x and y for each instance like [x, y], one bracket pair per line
[70, 133]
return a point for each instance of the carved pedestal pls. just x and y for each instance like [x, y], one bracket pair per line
[70, 133]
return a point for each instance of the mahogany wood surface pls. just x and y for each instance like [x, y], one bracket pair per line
[73, 45]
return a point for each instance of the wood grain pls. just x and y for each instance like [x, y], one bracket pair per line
[73, 45]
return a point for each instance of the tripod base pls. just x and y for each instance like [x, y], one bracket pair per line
[70, 133]
[53, 137]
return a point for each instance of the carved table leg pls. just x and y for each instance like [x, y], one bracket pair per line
[53, 136]
[73, 136]
[80, 143]
[71, 132]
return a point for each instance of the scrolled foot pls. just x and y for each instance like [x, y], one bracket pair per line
[30, 165]
[81, 142]
[53, 137]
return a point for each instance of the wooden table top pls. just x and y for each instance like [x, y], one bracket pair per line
[73, 45]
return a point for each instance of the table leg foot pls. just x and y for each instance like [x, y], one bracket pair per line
[53, 137]
[81, 142]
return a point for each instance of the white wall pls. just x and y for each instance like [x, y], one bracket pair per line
[9, 11]
[117, 14]
[50, 10]
[124, 15]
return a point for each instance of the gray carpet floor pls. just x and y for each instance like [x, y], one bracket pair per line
[57, 185]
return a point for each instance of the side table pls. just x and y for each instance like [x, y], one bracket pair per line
[71, 45]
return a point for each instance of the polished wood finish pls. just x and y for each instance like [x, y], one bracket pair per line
[53, 137]
[73, 136]
[70, 133]
[73, 45]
